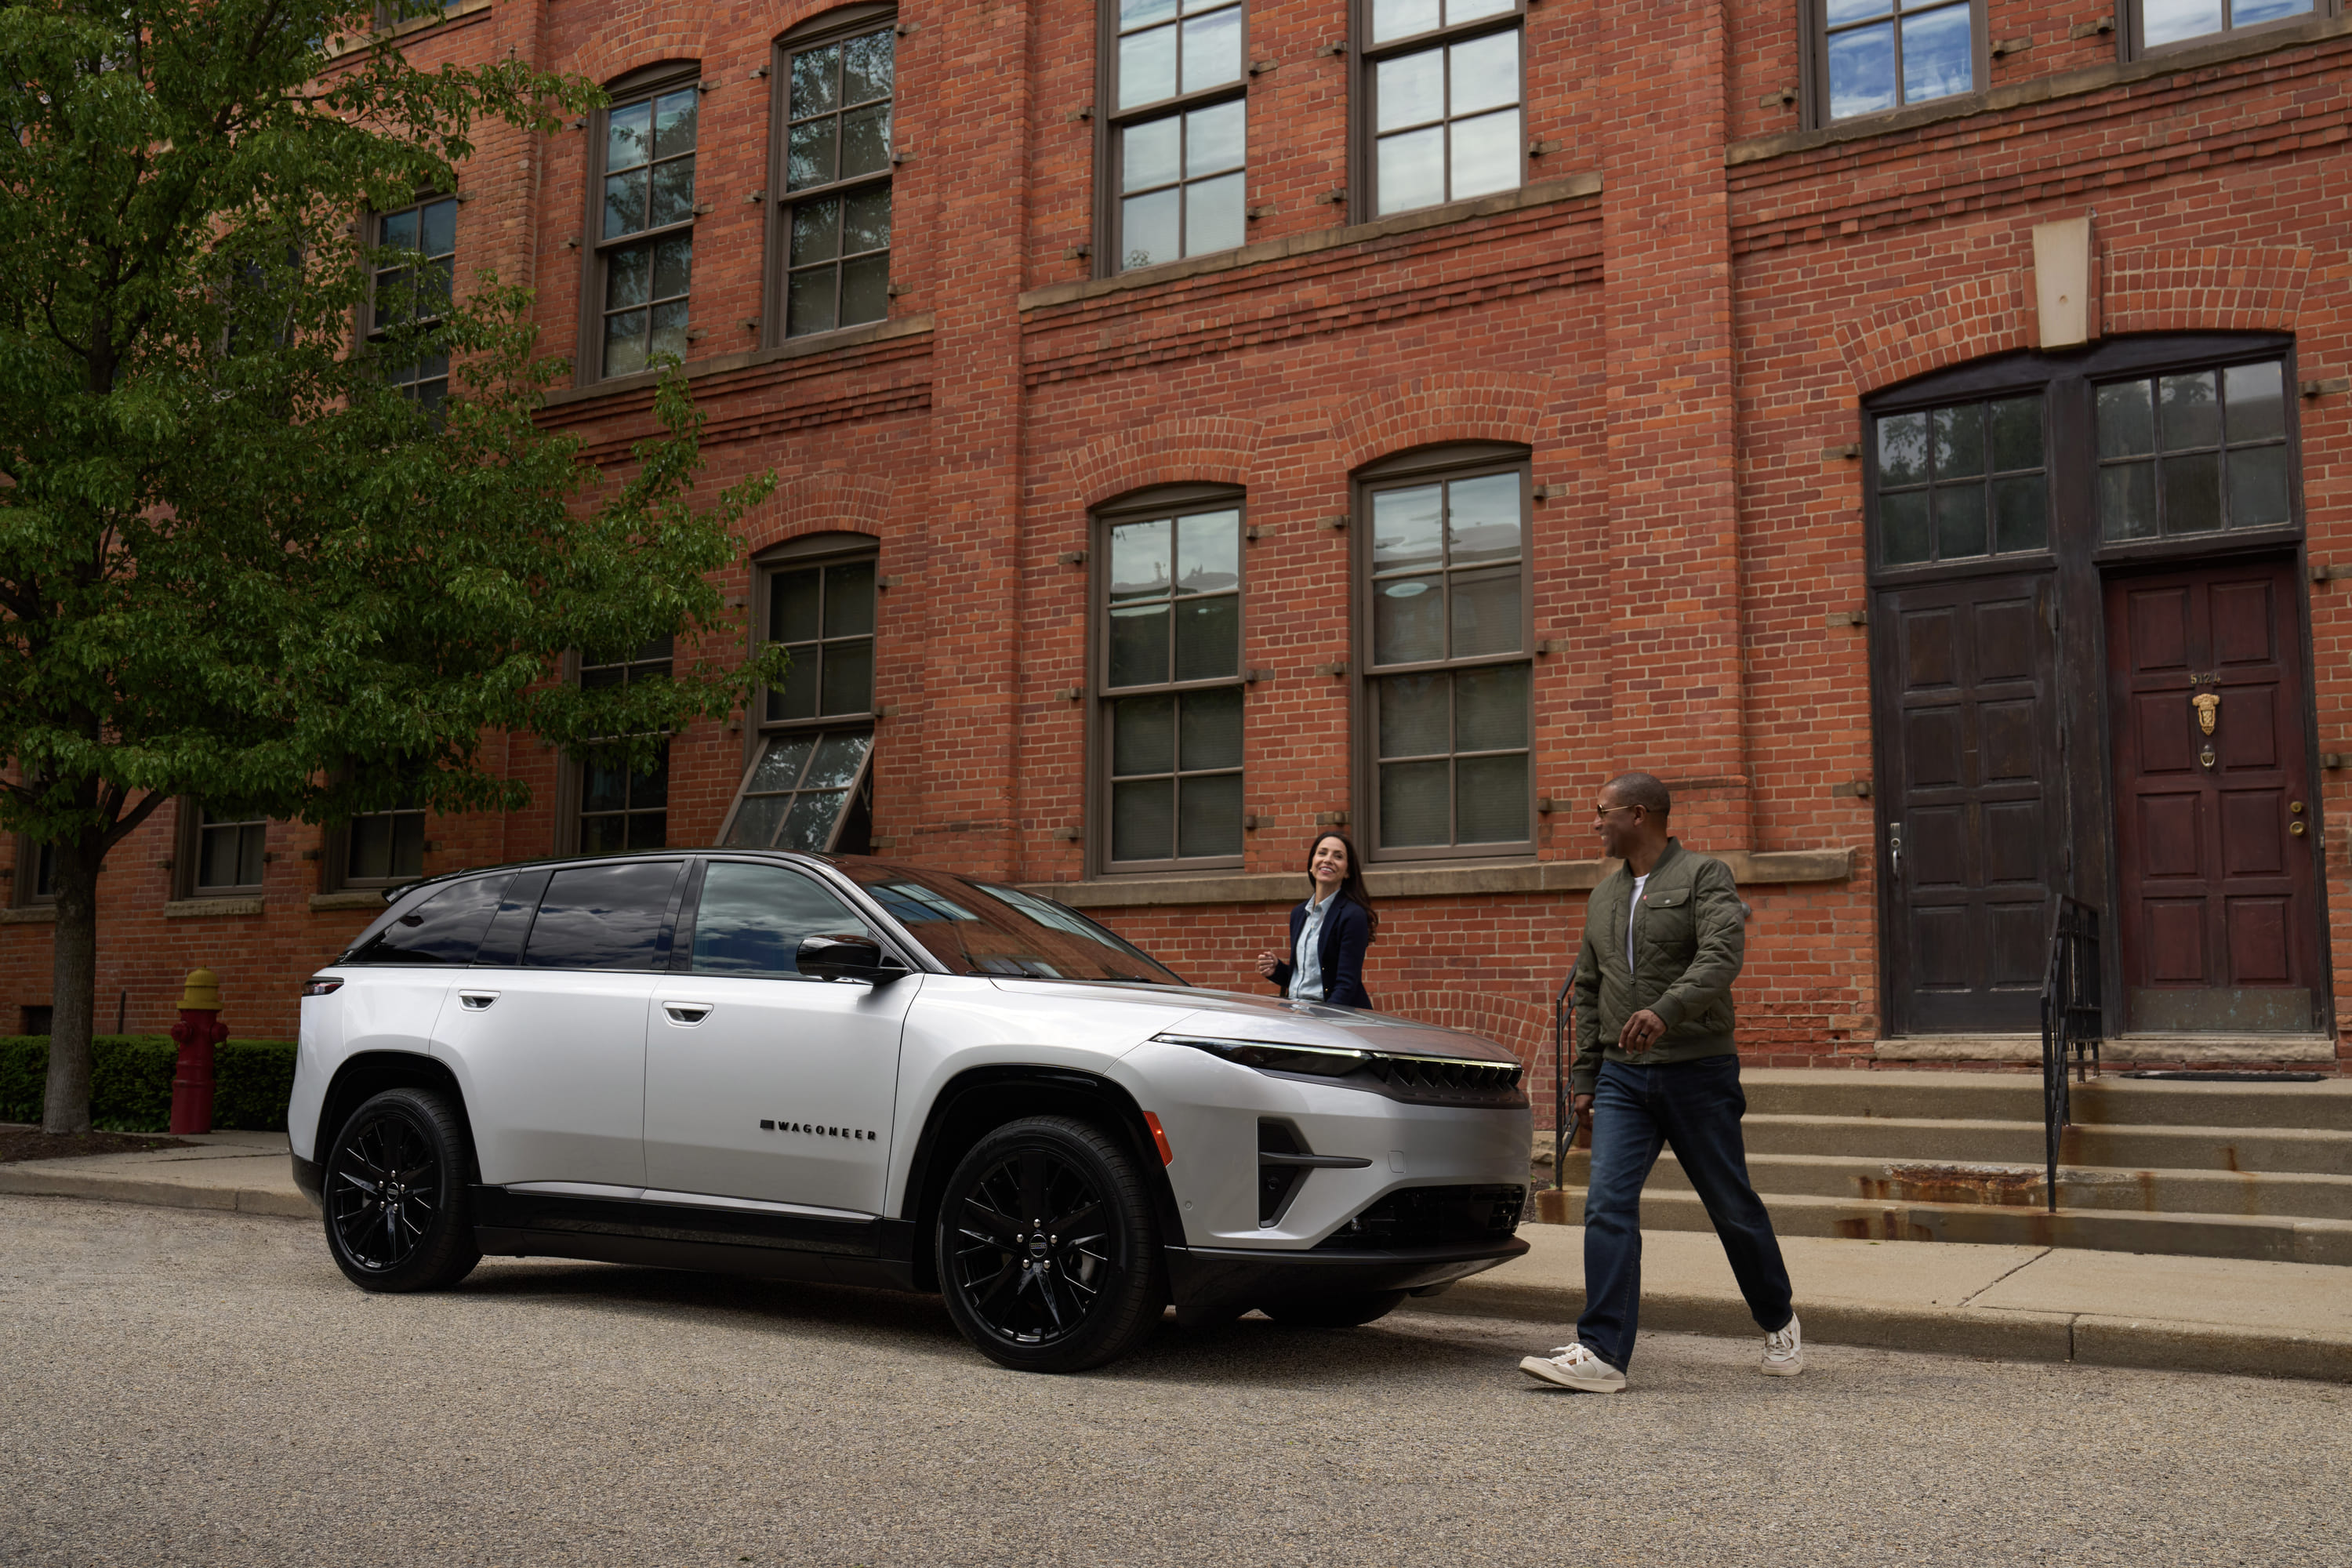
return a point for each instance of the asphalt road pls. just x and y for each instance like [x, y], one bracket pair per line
[183, 1387]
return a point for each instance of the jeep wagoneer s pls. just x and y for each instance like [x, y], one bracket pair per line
[856, 1071]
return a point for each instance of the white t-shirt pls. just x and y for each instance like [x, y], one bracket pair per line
[1635, 903]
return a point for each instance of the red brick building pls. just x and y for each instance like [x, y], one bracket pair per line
[1919, 433]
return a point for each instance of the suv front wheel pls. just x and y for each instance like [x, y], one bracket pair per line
[398, 1218]
[1047, 1254]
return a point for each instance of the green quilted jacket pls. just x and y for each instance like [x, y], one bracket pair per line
[1689, 942]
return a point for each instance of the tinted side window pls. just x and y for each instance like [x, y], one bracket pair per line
[602, 916]
[751, 919]
[445, 928]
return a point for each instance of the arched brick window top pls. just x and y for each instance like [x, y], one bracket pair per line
[2176, 443]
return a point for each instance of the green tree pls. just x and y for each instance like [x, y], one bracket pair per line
[237, 560]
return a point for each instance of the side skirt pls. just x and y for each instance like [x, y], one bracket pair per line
[879, 1253]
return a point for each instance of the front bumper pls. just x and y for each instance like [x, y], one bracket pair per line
[311, 1177]
[1208, 1280]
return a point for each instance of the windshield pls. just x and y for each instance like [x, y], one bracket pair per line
[975, 928]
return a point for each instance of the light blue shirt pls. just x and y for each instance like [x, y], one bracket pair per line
[1306, 964]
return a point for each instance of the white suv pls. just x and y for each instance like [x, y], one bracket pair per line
[869, 1073]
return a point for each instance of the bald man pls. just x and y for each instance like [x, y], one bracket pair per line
[1664, 936]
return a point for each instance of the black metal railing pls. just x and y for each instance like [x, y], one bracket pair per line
[2073, 1022]
[1563, 1129]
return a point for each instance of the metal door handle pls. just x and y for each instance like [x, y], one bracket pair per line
[477, 1001]
[689, 1014]
[1895, 848]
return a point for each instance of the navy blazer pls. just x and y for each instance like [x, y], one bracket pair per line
[1347, 933]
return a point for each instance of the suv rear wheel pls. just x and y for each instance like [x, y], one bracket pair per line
[1047, 1253]
[399, 1216]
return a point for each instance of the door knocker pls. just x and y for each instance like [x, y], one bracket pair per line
[2208, 705]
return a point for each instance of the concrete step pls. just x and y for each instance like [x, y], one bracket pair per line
[2290, 1195]
[2269, 1238]
[1913, 1139]
[2108, 1100]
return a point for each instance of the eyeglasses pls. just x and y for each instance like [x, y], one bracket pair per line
[1602, 813]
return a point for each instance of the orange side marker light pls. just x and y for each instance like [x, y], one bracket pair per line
[1160, 1136]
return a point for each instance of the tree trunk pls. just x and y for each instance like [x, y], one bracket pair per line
[73, 994]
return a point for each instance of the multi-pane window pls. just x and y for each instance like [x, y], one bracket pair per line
[823, 616]
[645, 235]
[416, 291]
[2162, 22]
[810, 786]
[835, 206]
[385, 847]
[802, 790]
[620, 808]
[1171, 713]
[1966, 479]
[1882, 54]
[1447, 687]
[1178, 129]
[228, 851]
[37, 872]
[2195, 452]
[1446, 100]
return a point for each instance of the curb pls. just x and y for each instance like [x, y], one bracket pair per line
[2001, 1334]
[1995, 1333]
[28, 1179]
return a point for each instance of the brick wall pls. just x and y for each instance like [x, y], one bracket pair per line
[1679, 318]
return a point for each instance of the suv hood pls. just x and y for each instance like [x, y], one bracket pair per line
[1238, 1015]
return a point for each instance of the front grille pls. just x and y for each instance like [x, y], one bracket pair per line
[1428, 1081]
[1431, 1217]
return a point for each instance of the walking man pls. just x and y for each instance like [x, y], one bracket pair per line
[1664, 940]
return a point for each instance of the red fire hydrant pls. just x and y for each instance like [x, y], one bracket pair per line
[197, 1032]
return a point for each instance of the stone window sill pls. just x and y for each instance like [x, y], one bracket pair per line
[349, 898]
[30, 915]
[1306, 243]
[2039, 90]
[750, 359]
[1750, 868]
[205, 908]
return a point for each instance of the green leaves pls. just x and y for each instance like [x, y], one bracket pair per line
[236, 559]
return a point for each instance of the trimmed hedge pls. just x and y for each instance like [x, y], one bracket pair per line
[130, 1081]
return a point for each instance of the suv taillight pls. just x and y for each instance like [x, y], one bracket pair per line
[322, 985]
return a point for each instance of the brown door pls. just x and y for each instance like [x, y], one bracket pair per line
[2218, 912]
[1974, 814]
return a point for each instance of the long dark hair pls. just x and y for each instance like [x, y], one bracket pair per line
[1352, 886]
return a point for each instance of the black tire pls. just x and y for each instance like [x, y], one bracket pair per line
[1046, 1249]
[1334, 1311]
[399, 1213]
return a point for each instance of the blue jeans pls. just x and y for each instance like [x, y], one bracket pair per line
[1695, 1107]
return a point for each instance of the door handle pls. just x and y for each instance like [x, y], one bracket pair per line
[687, 1013]
[477, 1001]
[1895, 848]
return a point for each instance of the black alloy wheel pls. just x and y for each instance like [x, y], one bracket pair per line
[1334, 1311]
[398, 1212]
[1047, 1253]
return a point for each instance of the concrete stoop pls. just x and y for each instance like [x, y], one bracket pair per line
[2186, 1169]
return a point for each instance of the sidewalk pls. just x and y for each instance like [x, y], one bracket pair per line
[2012, 1303]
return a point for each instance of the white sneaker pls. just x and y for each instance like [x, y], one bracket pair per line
[1784, 1352]
[1573, 1366]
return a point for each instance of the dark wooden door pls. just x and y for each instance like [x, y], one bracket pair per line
[1973, 808]
[2218, 909]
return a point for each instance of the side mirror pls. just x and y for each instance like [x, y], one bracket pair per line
[846, 958]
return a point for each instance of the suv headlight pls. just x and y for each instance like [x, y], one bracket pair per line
[1319, 1061]
[1419, 1079]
